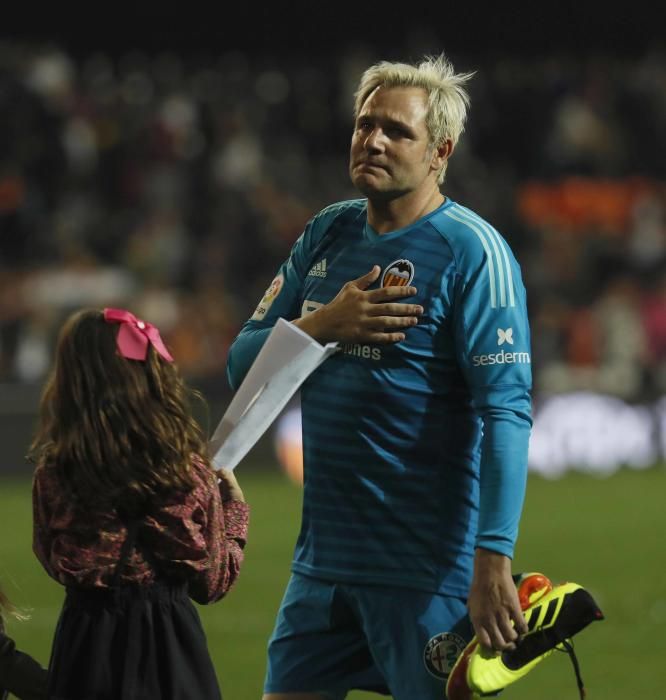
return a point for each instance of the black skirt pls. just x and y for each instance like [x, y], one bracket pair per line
[131, 643]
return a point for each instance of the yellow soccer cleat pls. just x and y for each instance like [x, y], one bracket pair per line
[553, 616]
[531, 587]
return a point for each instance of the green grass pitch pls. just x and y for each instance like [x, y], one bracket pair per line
[603, 533]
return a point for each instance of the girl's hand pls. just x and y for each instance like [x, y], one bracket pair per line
[229, 487]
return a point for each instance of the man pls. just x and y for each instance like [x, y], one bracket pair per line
[415, 433]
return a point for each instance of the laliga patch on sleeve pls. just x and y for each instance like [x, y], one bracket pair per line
[269, 297]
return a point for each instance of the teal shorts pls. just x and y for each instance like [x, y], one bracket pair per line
[332, 637]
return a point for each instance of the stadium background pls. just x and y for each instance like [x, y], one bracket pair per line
[167, 163]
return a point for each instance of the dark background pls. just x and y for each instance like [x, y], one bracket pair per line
[479, 28]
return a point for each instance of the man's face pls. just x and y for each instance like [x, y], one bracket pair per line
[391, 153]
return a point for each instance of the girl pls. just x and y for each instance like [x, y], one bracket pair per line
[129, 516]
[20, 674]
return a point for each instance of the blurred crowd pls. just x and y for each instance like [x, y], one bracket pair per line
[175, 184]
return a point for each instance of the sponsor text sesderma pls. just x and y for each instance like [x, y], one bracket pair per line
[501, 358]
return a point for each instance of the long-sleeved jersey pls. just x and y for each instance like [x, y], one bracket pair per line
[414, 453]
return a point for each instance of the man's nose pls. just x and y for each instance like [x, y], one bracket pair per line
[374, 141]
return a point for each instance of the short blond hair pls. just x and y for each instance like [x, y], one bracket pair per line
[448, 100]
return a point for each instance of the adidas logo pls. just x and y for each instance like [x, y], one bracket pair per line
[319, 269]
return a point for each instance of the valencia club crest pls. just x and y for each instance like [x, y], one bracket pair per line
[398, 274]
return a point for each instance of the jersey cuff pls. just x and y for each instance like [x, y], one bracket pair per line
[495, 545]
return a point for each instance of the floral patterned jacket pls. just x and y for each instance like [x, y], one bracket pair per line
[195, 538]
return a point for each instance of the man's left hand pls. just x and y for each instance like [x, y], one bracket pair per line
[493, 603]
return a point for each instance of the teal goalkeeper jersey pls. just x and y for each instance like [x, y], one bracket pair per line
[414, 453]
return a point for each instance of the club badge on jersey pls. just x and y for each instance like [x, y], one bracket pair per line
[399, 273]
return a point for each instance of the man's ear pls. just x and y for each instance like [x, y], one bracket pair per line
[441, 154]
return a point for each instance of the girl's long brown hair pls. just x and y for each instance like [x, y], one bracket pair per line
[119, 432]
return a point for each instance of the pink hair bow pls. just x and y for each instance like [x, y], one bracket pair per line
[134, 335]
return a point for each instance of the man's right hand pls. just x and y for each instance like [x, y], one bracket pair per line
[357, 315]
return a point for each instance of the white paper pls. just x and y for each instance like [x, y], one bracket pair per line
[285, 361]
